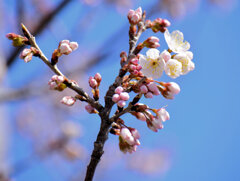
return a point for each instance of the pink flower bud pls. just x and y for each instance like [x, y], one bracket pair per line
[163, 115]
[124, 96]
[68, 100]
[153, 88]
[143, 89]
[92, 83]
[135, 17]
[60, 79]
[54, 77]
[89, 109]
[116, 98]
[73, 45]
[135, 72]
[141, 116]
[121, 103]
[132, 67]
[138, 67]
[127, 136]
[166, 23]
[173, 87]
[153, 39]
[28, 58]
[135, 133]
[65, 49]
[118, 90]
[52, 85]
[25, 52]
[65, 41]
[148, 95]
[134, 61]
[148, 23]
[98, 77]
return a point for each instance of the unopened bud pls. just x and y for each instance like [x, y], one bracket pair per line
[68, 100]
[135, 17]
[92, 83]
[98, 77]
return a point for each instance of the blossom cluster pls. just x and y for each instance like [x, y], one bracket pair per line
[120, 97]
[139, 74]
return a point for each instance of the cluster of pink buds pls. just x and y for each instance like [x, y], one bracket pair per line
[28, 53]
[90, 109]
[149, 90]
[94, 82]
[134, 67]
[151, 42]
[158, 24]
[129, 139]
[120, 97]
[68, 100]
[135, 16]
[142, 112]
[17, 40]
[56, 83]
[66, 47]
[156, 122]
[170, 89]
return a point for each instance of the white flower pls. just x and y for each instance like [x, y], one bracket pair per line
[185, 59]
[152, 65]
[175, 41]
[173, 68]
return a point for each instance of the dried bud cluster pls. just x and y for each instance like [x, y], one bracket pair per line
[17, 40]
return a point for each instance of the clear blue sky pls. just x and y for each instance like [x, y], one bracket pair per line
[203, 132]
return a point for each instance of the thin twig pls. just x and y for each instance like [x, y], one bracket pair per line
[105, 121]
[55, 69]
[41, 26]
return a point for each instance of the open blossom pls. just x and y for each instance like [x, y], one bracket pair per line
[153, 64]
[175, 41]
[173, 68]
[185, 59]
[135, 17]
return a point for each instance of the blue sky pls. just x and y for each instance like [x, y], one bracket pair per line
[203, 132]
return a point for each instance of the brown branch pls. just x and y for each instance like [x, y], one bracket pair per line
[41, 26]
[105, 120]
[54, 68]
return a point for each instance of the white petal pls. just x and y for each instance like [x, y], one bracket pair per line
[153, 53]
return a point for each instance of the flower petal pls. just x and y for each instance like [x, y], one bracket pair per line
[153, 53]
